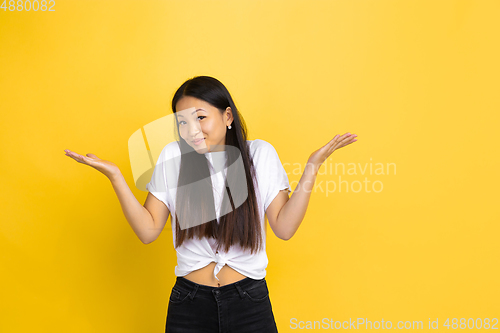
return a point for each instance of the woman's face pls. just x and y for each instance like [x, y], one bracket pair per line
[200, 120]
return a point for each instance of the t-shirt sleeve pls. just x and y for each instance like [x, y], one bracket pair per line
[158, 185]
[274, 175]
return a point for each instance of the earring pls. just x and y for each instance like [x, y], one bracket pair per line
[229, 127]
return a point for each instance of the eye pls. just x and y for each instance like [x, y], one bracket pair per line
[182, 121]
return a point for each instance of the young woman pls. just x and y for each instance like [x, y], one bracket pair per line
[218, 223]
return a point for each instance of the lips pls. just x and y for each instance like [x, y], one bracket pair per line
[198, 140]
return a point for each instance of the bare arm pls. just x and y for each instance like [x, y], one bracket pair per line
[286, 214]
[147, 221]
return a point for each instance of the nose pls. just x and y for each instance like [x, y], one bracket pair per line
[194, 129]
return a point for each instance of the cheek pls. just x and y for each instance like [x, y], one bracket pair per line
[207, 128]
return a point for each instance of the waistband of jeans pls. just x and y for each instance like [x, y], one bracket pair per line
[243, 283]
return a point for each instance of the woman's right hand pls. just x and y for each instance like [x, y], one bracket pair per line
[109, 169]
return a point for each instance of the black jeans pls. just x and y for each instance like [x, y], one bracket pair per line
[242, 307]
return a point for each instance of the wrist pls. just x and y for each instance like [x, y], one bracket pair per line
[312, 168]
[116, 176]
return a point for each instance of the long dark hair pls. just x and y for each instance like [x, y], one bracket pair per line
[242, 224]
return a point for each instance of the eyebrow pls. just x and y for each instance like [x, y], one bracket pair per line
[192, 112]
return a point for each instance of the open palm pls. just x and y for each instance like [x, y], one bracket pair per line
[109, 169]
[319, 156]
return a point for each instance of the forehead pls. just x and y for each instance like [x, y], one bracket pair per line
[188, 102]
[189, 112]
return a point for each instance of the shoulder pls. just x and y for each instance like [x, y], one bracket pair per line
[172, 149]
[263, 154]
[259, 147]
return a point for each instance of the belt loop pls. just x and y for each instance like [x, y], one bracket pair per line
[242, 293]
[192, 293]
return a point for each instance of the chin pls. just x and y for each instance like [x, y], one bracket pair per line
[201, 150]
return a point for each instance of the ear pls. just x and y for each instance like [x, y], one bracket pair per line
[229, 116]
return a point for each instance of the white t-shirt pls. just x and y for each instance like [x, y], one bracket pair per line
[194, 254]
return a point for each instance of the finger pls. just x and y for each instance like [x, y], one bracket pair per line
[348, 137]
[70, 153]
[92, 156]
[340, 138]
[343, 136]
[77, 157]
[332, 141]
[80, 158]
[338, 141]
[346, 140]
[347, 143]
[73, 154]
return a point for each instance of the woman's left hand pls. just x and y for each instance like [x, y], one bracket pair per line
[319, 156]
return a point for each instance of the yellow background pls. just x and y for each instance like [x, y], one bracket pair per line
[417, 81]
